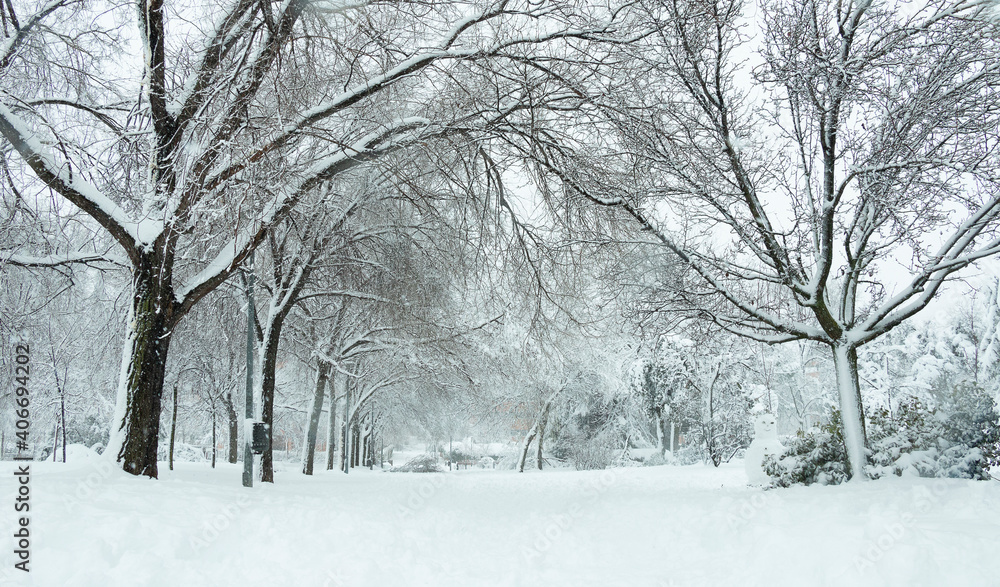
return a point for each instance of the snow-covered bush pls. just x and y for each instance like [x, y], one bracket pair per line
[816, 456]
[79, 452]
[420, 464]
[656, 459]
[960, 438]
[456, 455]
[183, 453]
[89, 432]
[594, 454]
[690, 453]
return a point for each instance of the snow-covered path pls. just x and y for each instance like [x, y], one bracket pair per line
[657, 526]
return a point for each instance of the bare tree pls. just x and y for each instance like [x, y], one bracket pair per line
[247, 108]
[823, 182]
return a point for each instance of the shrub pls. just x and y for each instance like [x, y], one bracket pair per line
[655, 460]
[591, 455]
[816, 456]
[960, 438]
[691, 453]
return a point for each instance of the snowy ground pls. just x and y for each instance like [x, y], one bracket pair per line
[657, 526]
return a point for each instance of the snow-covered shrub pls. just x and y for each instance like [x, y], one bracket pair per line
[656, 459]
[691, 453]
[594, 454]
[960, 438]
[816, 456]
[183, 453]
[457, 455]
[79, 452]
[972, 421]
[420, 464]
[89, 432]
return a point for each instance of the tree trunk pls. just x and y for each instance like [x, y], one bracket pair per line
[530, 436]
[370, 454]
[356, 445]
[268, 367]
[309, 447]
[234, 430]
[332, 431]
[214, 441]
[662, 432]
[852, 415]
[173, 429]
[368, 449]
[345, 444]
[136, 426]
[541, 435]
[62, 408]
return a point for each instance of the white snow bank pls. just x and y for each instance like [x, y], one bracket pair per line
[79, 452]
[651, 526]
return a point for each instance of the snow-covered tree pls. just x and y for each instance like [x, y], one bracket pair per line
[188, 133]
[794, 163]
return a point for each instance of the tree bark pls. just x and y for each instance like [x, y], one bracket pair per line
[662, 431]
[331, 427]
[173, 429]
[234, 429]
[268, 367]
[852, 415]
[345, 445]
[530, 436]
[319, 394]
[62, 417]
[355, 445]
[136, 427]
[214, 441]
[541, 435]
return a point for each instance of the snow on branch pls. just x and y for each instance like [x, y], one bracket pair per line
[72, 186]
[691, 258]
[11, 258]
[328, 7]
[952, 256]
[10, 45]
[403, 69]
[371, 146]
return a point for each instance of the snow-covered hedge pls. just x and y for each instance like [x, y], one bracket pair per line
[959, 438]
